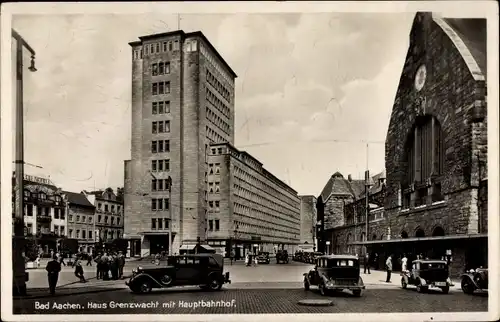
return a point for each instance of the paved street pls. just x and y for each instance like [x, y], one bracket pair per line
[262, 289]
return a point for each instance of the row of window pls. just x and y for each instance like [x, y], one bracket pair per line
[220, 150]
[159, 223]
[107, 207]
[42, 196]
[58, 230]
[215, 64]
[213, 136]
[159, 184]
[162, 107]
[81, 219]
[211, 225]
[160, 146]
[160, 127]
[83, 234]
[213, 168]
[100, 219]
[266, 229]
[422, 197]
[156, 48]
[59, 213]
[160, 68]
[212, 204]
[214, 187]
[160, 165]
[214, 82]
[217, 121]
[107, 234]
[247, 228]
[252, 212]
[158, 204]
[159, 88]
[262, 185]
[264, 200]
[218, 104]
[191, 45]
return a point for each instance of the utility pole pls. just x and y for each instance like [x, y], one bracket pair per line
[18, 262]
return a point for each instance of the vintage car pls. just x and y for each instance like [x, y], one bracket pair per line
[475, 280]
[263, 258]
[335, 273]
[313, 256]
[205, 270]
[427, 273]
[297, 257]
[282, 256]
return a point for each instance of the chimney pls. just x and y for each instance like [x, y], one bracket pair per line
[349, 177]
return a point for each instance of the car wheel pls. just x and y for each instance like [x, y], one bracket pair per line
[403, 283]
[322, 289]
[467, 286]
[215, 284]
[445, 289]
[145, 286]
[306, 285]
[166, 280]
[356, 293]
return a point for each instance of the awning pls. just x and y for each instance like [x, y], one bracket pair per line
[414, 239]
[187, 247]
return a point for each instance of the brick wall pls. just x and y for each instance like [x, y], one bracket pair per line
[449, 94]
[334, 210]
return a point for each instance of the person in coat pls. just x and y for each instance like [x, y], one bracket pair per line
[114, 267]
[79, 270]
[121, 264]
[388, 267]
[53, 268]
[367, 263]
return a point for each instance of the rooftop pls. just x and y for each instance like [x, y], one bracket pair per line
[183, 36]
[78, 199]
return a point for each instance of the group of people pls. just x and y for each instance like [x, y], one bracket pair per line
[110, 263]
[251, 259]
[53, 269]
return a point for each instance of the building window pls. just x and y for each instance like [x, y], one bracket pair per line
[167, 87]
[154, 69]
[153, 185]
[106, 208]
[170, 47]
[167, 107]
[217, 168]
[217, 187]
[84, 234]
[217, 226]
[421, 197]
[159, 204]
[99, 218]
[160, 146]
[77, 233]
[84, 219]
[146, 49]
[157, 47]
[78, 218]
[105, 219]
[99, 206]
[160, 185]
[167, 68]
[164, 46]
[90, 234]
[29, 210]
[194, 45]
[154, 148]
[70, 233]
[217, 205]
[167, 203]
[437, 195]
[112, 220]
[154, 128]
[153, 204]
[211, 225]
[160, 223]
[155, 89]
[161, 88]
[167, 146]
[155, 108]
[62, 213]
[176, 45]
[118, 221]
[153, 165]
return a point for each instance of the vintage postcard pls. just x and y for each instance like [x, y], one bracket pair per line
[250, 160]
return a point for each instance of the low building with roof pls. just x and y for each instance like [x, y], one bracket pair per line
[81, 221]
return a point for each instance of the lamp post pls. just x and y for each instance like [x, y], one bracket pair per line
[367, 205]
[18, 264]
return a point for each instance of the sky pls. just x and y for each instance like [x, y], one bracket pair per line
[311, 88]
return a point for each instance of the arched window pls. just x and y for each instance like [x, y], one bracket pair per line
[424, 159]
[419, 233]
[438, 231]
[374, 237]
[404, 234]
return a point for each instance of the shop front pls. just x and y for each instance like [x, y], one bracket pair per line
[461, 251]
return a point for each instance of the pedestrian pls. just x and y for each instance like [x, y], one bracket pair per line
[53, 268]
[98, 262]
[231, 256]
[375, 259]
[249, 259]
[105, 267]
[388, 267]
[367, 262]
[37, 261]
[114, 267]
[89, 259]
[404, 263]
[121, 264]
[79, 270]
[61, 258]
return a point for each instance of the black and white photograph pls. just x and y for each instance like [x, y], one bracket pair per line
[244, 160]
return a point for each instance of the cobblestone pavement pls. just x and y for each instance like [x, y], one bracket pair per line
[251, 300]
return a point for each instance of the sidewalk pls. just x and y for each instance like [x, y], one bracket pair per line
[377, 278]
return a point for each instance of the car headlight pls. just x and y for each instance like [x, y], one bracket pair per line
[134, 271]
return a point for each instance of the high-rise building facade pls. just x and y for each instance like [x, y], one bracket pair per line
[182, 100]
[249, 209]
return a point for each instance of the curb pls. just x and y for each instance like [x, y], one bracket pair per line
[315, 302]
[30, 297]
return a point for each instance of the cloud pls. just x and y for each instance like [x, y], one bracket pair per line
[304, 80]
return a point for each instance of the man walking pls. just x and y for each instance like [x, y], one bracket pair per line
[121, 264]
[388, 267]
[367, 262]
[53, 268]
[89, 259]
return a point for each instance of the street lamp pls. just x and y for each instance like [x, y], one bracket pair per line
[18, 262]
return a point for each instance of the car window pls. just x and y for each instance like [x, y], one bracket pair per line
[192, 261]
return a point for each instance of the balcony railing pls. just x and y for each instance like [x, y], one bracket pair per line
[43, 218]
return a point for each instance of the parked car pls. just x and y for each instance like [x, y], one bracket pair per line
[298, 256]
[335, 273]
[427, 273]
[282, 256]
[263, 258]
[205, 270]
[475, 280]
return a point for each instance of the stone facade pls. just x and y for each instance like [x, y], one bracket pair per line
[249, 209]
[436, 149]
[81, 221]
[201, 111]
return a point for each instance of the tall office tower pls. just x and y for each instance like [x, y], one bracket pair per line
[182, 101]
